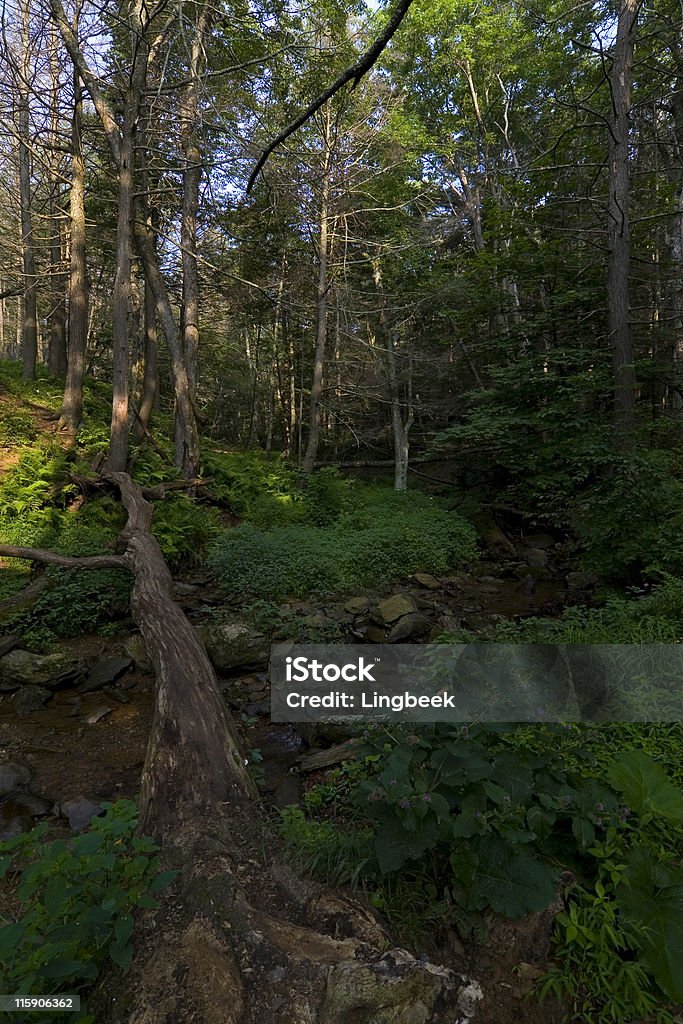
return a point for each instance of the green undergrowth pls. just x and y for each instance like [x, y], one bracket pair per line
[443, 824]
[74, 904]
[370, 537]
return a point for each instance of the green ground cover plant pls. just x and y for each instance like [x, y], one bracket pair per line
[74, 903]
[375, 537]
[447, 822]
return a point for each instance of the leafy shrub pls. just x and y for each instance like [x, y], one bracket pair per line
[76, 903]
[368, 545]
[462, 820]
[632, 519]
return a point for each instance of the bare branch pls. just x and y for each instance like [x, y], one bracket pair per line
[352, 74]
[50, 558]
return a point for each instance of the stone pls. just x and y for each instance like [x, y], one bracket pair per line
[29, 699]
[539, 540]
[234, 645]
[375, 635]
[136, 648]
[392, 608]
[357, 605]
[104, 672]
[101, 712]
[536, 558]
[21, 668]
[80, 811]
[425, 579]
[13, 775]
[410, 625]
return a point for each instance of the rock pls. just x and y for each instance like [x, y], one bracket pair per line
[7, 644]
[234, 645]
[21, 668]
[16, 827]
[425, 579]
[581, 580]
[104, 672]
[536, 558]
[101, 712]
[136, 649]
[25, 804]
[375, 635]
[527, 587]
[410, 625]
[357, 605]
[539, 540]
[13, 775]
[495, 541]
[80, 811]
[315, 621]
[29, 699]
[392, 608]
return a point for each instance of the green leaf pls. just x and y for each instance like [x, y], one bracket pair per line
[161, 881]
[394, 846]
[583, 831]
[651, 898]
[515, 882]
[646, 786]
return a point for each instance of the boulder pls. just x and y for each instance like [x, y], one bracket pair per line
[136, 649]
[21, 668]
[409, 626]
[104, 672]
[29, 699]
[80, 811]
[234, 645]
[536, 558]
[425, 579]
[392, 608]
[539, 540]
[357, 605]
[13, 775]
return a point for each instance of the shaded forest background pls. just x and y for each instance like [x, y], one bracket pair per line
[425, 262]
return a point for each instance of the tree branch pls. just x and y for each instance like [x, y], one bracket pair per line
[352, 74]
[50, 558]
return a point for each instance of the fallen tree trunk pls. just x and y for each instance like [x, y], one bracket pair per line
[236, 938]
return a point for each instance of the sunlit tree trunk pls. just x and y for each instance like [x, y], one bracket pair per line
[72, 405]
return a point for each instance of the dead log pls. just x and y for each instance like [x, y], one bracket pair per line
[232, 941]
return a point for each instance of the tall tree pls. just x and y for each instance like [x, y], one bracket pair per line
[618, 225]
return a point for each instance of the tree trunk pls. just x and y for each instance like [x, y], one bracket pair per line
[150, 378]
[57, 359]
[321, 302]
[222, 947]
[189, 109]
[618, 227]
[72, 405]
[30, 319]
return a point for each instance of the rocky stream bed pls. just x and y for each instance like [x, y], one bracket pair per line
[74, 723]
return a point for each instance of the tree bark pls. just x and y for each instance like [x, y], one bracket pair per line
[321, 302]
[618, 227]
[72, 404]
[189, 108]
[57, 357]
[30, 319]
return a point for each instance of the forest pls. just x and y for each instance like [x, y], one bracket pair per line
[339, 323]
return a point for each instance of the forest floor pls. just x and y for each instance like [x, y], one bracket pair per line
[91, 747]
